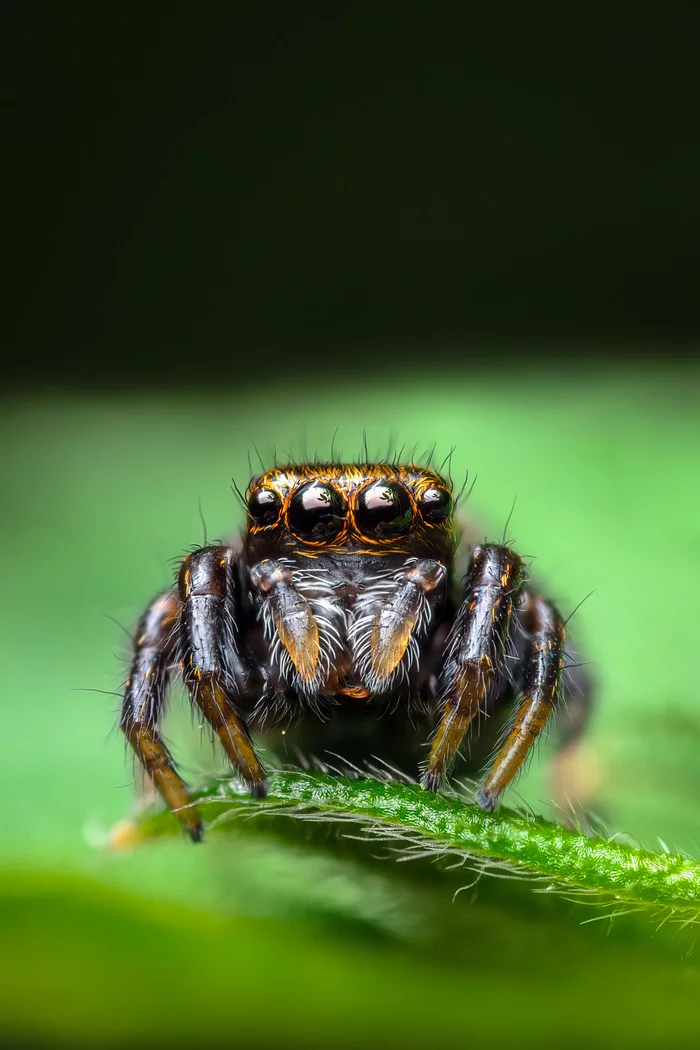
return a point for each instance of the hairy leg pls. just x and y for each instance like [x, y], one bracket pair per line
[209, 657]
[144, 703]
[475, 647]
[541, 675]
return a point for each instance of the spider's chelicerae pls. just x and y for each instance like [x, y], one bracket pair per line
[335, 624]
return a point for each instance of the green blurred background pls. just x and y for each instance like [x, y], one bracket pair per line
[248, 233]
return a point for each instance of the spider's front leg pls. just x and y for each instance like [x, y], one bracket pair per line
[475, 645]
[144, 701]
[210, 661]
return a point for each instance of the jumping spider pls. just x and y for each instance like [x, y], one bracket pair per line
[336, 607]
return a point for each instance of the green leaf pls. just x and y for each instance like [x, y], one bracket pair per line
[418, 822]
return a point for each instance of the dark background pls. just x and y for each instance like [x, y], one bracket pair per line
[203, 197]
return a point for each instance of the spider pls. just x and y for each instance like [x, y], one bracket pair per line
[338, 620]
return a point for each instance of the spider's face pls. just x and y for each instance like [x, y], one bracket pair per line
[346, 508]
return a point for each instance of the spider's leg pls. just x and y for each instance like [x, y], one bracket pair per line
[474, 652]
[144, 702]
[541, 674]
[211, 665]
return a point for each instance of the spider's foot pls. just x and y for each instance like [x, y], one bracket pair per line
[430, 781]
[486, 800]
[259, 789]
[195, 831]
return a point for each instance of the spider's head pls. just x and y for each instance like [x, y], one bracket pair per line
[373, 508]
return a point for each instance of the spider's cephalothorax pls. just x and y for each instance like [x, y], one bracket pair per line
[337, 613]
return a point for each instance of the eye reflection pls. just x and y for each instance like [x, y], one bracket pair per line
[264, 507]
[383, 510]
[316, 512]
[435, 505]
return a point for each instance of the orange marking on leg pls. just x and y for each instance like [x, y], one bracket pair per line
[529, 723]
[157, 763]
[231, 730]
[466, 696]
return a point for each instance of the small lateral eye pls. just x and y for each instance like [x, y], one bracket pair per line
[264, 507]
[435, 505]
[316, 512]
[383, 510]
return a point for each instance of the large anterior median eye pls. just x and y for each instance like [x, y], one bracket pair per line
[316, 512]
[383, 510]
[264, 507]
[435, 505]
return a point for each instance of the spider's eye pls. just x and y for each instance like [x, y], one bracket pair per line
[316, 512]
[383, 510]
[264, 507]
[435, 505]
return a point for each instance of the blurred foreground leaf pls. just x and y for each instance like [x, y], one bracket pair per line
[317, 941]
